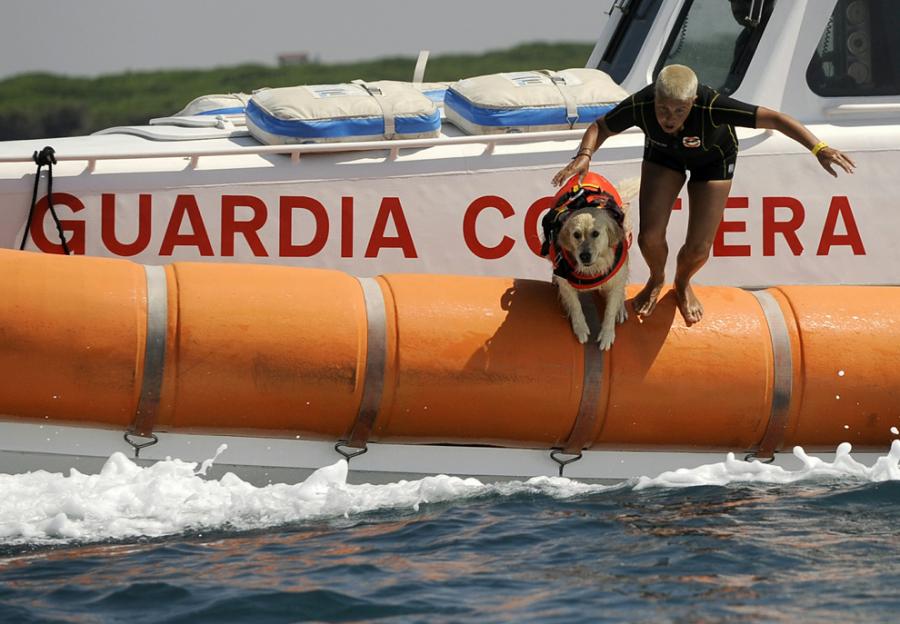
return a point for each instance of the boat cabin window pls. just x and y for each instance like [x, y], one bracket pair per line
[717, 39]
[859, 52]
[629, 36]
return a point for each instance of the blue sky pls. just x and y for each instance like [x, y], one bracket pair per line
[91, 37]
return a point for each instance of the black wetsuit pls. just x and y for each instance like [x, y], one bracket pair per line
[707, 144]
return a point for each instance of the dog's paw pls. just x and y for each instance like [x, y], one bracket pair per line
[622, 314]
[582, 332]
[606, 339]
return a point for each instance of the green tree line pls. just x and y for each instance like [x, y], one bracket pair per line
[42, 105]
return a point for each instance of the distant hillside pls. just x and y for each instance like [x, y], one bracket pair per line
[45, 105]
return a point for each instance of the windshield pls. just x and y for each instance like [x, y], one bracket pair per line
[626, 42]
[717, 39]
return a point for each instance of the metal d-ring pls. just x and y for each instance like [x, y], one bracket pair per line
[348, 455]
[137, 446]
[555, 453]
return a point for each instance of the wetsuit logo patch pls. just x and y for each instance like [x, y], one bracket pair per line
[691, 141]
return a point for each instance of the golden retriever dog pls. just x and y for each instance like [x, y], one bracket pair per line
[589, 234]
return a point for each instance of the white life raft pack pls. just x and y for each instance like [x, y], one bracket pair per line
[216, 104]
[531, 101]
[342, 112]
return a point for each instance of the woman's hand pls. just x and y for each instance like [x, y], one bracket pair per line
[580, 165]
[828, 156]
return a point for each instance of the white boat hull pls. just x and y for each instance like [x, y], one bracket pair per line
[453, 205]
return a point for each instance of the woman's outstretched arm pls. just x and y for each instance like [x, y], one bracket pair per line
[790, 127]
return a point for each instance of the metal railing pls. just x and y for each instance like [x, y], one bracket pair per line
[298, 150]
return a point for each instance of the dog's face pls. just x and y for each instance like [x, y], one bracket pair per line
[590, 236]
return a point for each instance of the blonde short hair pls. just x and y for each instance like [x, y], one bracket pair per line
[676, 82]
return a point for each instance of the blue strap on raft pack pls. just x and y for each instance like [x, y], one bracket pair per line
[531, 101]
[342, 112]
[434, 91]
[216, 104]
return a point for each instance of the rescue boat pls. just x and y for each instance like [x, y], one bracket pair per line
[195, 208]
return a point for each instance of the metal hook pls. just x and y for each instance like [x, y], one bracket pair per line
[555, 453]
[137, 446]
[341, 444]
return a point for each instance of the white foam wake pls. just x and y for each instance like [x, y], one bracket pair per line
[126, 500]
[733, 470]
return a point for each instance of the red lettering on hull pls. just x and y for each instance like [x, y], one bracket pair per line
[346, 227]
[533, 223]
[246, 216]
[840, 206]
[469, 235]
[72, 230]
[391, 209]
[231, 227]
[720, 248]
[286, 246]
[788, 229]
[186, 205]
[108, 226]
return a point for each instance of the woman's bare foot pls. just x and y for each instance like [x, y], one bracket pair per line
[688, 304]
[645, 301]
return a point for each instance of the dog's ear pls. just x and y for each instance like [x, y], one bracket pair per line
[615, 233]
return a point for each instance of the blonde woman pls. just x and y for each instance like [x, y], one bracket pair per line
[689, 128]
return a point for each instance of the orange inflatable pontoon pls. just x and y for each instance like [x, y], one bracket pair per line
[422, 359]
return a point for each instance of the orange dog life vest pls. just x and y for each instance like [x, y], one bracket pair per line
[594, 191]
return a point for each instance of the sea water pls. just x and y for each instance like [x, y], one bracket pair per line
[732, 541]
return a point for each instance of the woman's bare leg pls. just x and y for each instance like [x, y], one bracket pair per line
[659, 190]
[707, 203]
